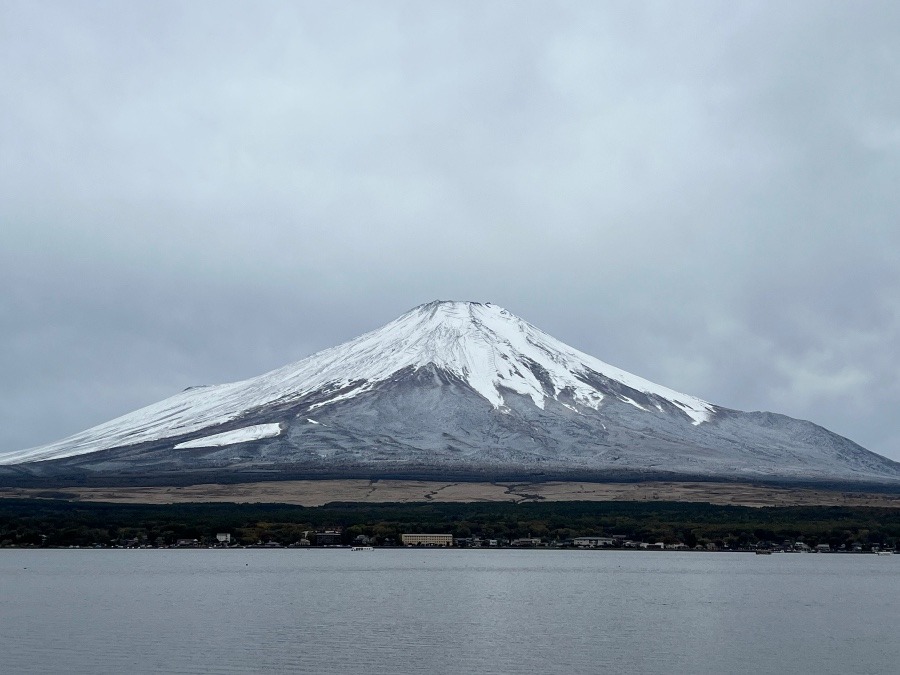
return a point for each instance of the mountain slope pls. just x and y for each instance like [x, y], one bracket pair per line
[457, 387]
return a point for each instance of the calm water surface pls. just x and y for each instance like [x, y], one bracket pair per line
[406, 611]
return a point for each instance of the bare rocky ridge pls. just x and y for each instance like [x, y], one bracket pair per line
[464, 391]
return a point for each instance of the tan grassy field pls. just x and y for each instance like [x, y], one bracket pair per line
[319, 492]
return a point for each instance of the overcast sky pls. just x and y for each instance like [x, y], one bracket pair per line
[704, 194]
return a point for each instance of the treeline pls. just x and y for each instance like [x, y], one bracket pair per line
[62, 523]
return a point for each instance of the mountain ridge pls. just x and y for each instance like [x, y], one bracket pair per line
[460, 387]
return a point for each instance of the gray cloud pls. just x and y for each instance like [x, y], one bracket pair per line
[703, 194]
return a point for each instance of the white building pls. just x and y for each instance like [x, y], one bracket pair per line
[593, 542]
[427, 539]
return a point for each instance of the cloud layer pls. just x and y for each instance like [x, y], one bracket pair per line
[703, 194]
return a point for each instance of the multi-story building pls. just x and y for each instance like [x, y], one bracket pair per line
[328, 538]
[427, 539]
[593, 542]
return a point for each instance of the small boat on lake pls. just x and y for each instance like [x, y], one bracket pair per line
[361, 548]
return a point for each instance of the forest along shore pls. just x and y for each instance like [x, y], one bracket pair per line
[321, 492]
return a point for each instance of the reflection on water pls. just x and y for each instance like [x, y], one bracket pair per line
[408, 611]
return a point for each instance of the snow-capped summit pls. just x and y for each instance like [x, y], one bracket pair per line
[483, 345]
[465, 387]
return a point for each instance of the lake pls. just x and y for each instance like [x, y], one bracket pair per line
[446, 611]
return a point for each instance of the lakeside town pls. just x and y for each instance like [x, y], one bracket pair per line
[572, 525]
[337, 538]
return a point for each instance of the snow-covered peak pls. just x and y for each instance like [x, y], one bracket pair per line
[484, 345]
[491, 349]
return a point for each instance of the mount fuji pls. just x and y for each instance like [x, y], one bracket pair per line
[449, 389]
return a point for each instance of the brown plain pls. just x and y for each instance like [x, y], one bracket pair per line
[321, 492]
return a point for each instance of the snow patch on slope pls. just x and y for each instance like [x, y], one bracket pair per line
[253, 433]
